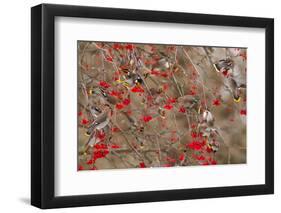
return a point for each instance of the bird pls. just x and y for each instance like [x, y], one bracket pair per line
[101, 122]
[235, 89]
[130, 79]
[164, 64]
[208, 118]
[162, 112]
[85, 96]
[133, 79]
[95, 111]
[213, 145]
[224, 65]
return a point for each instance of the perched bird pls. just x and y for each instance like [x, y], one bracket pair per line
[162, 112]
[101, 121]
[85, 96]
[235, 89]
[208, 118]
[224, 65]
[133, 79]
[95, 111]
[130, 79]
[213, 145]
[227, 65]
[164, 64]
[129, 69]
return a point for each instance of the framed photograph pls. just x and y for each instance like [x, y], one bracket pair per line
[139, 106]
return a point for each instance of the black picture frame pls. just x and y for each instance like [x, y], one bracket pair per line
[43, 105]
